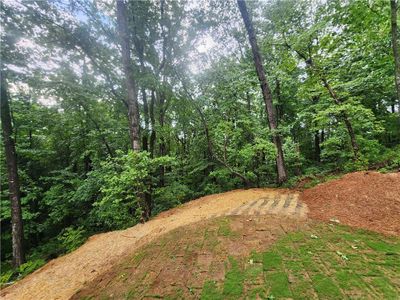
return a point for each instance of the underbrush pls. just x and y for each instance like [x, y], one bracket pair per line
[67, 241]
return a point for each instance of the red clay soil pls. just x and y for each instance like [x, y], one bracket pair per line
[368, 200]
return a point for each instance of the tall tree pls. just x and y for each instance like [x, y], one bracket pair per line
[133, 106]
[395, 46]
[266, 91]
[17, 230]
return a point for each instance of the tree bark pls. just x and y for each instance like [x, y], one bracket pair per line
[153, 124]
[317, 147]
[162, 146]
[139, 45]
[17, 230]
[146, 121]
[279, 107]
[395, 46]
[133, 106]
[266, 91]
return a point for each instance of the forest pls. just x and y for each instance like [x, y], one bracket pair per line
[114, 111]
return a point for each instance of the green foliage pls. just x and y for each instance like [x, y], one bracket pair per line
[23, 270]
[72, 131]
[170, 196]
[124, 181]
[71, 238]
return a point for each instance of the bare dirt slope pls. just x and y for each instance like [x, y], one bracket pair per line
[368, 200]
[61, 278]
[363, 199]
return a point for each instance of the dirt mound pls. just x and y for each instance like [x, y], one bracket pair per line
[63, 277]
[367, 200]
[177, 265]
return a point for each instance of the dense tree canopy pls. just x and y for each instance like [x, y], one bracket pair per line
[123, 109]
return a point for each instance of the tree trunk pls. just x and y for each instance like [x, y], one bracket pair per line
[266, 91]
[133, 106]
[162, 146]
[146, 121]
[279, 106]
[317, 139]
[317, 147]
[322, 137]
[153, 124]
[145, 135]
[395, 46]
[13, 180]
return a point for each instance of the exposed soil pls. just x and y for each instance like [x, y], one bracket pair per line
[368, 200]
[178, 264]
[63, 277]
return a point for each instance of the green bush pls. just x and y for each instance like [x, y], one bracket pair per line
[170, 196]
[125, 179]
[13, 274]
[71, 238]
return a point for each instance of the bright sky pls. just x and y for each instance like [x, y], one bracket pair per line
[204, 48]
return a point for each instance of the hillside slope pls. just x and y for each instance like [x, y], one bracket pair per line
[63, 277]
[369, 200]
[207, 238]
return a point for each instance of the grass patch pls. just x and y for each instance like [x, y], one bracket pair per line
[224, 228]
[279, 284]
[233, 285]
[210, 291]
[271, 261]
[325, 262]
[326, 287]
